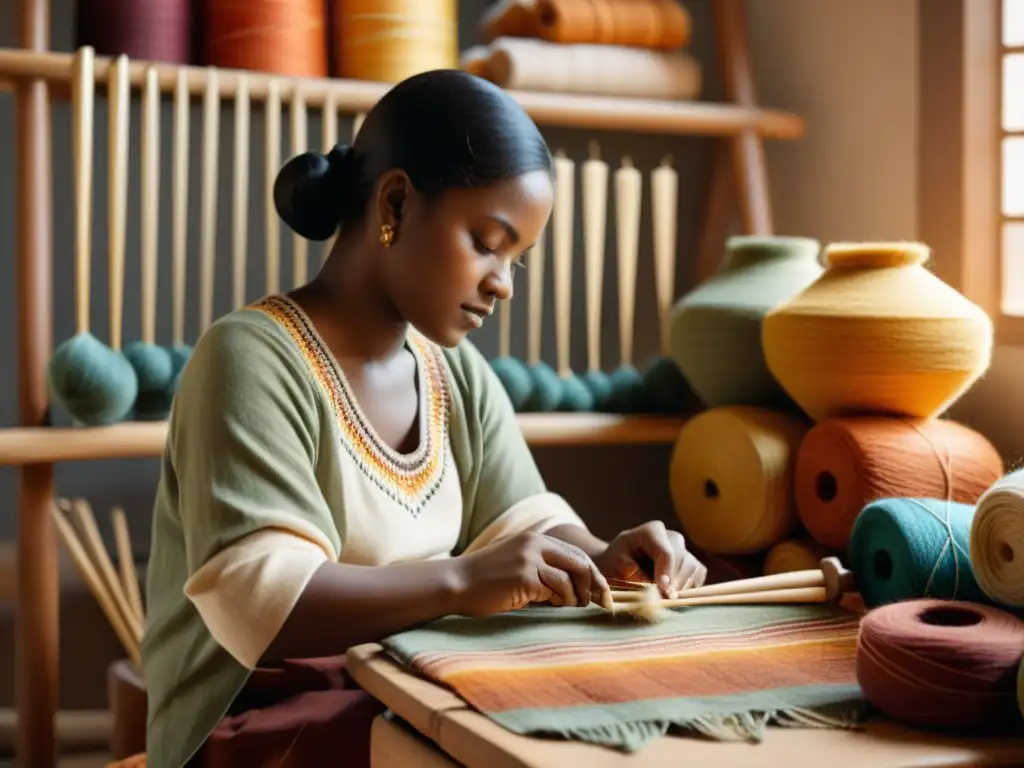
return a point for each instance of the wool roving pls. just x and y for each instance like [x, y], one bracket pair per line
[906, 548]
[843, 464]
[877, 333]
[731, 478]
[997, 540]
[941, 664]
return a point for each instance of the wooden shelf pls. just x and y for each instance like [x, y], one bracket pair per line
[20, 446]
[353, 96]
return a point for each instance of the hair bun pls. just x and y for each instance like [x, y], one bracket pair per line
[309, 191]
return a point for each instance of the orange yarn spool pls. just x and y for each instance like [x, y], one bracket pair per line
[843, 464]
[285, 37]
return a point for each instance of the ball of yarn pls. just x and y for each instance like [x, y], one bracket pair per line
[731, 478]
[546, 389]
[941, 664]
[153, 365]
[902, 549]
[628, 392]
[515, 378]
[843, 464]
[95, 384]
[795, 555]
[997, 540]
[180, 355]
[667, 390]
[600, 385]
[575, 396]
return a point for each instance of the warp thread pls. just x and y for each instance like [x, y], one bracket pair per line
[941, 664]
[845, 463]
[730, 478]
[997, 540]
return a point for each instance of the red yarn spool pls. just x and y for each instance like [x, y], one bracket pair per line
[941, 664]
[285, 37]
[150, 30]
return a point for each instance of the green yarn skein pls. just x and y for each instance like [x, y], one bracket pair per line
[600, 385]
[576, 396]
[93, 383]
[905, 548]
[546, 393]
[154, 369]
[515, 379]
[628, 395]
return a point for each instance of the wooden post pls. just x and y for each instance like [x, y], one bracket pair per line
[36, 639]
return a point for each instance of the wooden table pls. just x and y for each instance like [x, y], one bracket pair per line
[451, 734]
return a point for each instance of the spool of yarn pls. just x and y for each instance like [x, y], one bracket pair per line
[391, 40]
[843, 464]
[545, 390]
[940, 664]
[515, 379]
[95, 384]
[731, 478]
[795, 555]
[286, 37]
[902, 549]
[997, 540]
[154, 30]
[154, 370]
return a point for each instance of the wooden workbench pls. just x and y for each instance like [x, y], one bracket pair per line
[451, 734]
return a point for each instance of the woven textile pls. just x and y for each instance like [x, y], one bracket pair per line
[725, 672]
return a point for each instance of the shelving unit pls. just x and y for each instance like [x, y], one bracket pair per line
[37, 76]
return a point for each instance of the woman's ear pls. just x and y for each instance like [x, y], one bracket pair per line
[392, 194]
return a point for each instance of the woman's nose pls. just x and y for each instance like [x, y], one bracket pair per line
[498, 282]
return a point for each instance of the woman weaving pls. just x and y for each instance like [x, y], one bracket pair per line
[341, 465]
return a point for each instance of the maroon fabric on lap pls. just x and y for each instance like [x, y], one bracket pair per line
[302, 714]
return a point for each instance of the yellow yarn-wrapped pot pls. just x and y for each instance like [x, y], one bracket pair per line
[731, 478]
[877, 333]
[390, 40]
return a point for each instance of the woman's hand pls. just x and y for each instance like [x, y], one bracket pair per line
[529, 568]
[654, 546]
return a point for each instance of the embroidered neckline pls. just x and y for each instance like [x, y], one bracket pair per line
[411, 479]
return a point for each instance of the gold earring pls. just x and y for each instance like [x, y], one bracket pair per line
[387, 235]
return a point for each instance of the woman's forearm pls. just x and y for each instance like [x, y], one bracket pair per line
[345, 605]
[580, 537]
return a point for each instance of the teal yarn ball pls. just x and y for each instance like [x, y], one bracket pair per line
[154, 406]
[576, 397]
[900, 549]
[515, 379]
[92, 382]
[628, 395]
[667, 390]
[153, 365]
[600, 385]
[546, 392]
[180, 355]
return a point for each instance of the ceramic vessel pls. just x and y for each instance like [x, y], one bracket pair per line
[877, 333]
[715, 330]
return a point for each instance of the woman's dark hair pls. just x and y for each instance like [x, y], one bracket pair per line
[447, 129]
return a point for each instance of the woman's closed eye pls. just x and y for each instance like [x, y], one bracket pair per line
[486, 250]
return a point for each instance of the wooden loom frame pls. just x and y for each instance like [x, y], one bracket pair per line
[738, 175]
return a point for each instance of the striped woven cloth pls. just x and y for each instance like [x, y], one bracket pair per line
[725, 672]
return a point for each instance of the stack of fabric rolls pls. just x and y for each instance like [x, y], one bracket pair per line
[622, 48]
[826, 434]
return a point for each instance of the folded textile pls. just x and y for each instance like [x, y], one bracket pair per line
[597, 70]
[724, 672]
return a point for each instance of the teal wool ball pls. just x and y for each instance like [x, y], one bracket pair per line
[92, 382]
[546, 392]
[515, 378]
[180, 355]
[667, 390]
[154, 369]
[576, 396]
[600, 385]
[628, 393]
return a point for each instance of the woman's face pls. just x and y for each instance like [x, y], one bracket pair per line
[453, 257]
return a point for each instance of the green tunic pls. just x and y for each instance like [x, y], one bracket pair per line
[255, 434]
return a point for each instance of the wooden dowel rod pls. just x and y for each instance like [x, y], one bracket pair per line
[767, 597]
